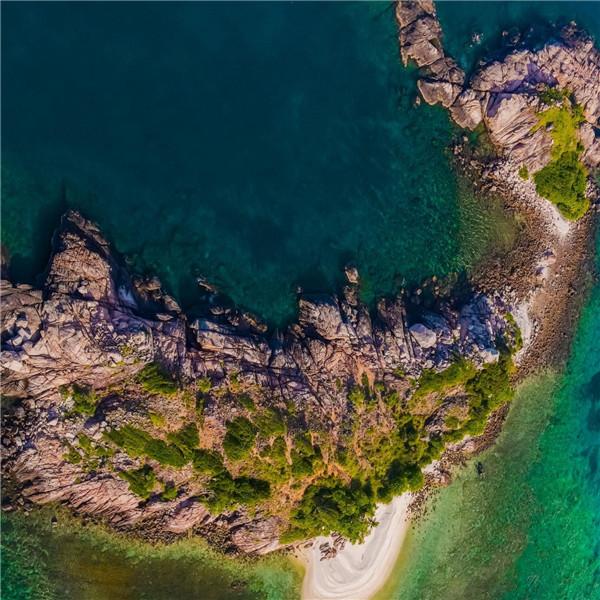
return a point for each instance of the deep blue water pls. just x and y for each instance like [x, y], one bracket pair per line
[260, 145]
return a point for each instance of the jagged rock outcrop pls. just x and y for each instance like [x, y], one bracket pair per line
[505, 95]
[93, 324]
[420, 34]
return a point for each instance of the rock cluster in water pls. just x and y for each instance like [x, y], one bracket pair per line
[505, 95]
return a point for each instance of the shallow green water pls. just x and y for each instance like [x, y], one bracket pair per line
[65, 561]
[530, 529]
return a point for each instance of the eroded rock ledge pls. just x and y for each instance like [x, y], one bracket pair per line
[92, 324]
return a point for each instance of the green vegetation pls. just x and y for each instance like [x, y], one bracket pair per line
[169, 492]
[267, 456]
[456, 374]
[563, 180]
[524, 172]
[239, 438]
[204, 385]
[86, 453]
[332, 506]
[361, 395]
[141, 481]
[274, 466]
[85, 400]
[226, 492]
[269, 422]
[137, 442]
[246, 401]
[157, 420]
[516, 331]
[72, 456]
[552, 95]
[186, 439]
[155, 380]
[208, 462]
[305, 456]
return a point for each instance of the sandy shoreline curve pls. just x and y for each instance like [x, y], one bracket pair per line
[358, 571]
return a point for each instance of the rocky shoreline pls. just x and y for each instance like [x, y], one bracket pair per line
[94, 325]
[550, 269]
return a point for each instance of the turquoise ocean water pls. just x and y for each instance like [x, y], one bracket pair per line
[530, 528]
[263, 146]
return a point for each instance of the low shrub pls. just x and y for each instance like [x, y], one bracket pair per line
[137, 442]
[141, 481]
[245, 400]
[157, 420]
[204, 385]
[437, 382]
[85, 400]
[186, 439]
[169, 492]
[208, 462]
[563, 182]
[305, 456]
[239, 438]
[72, 456]
[524, 172]
[155, 380]
[269, 422]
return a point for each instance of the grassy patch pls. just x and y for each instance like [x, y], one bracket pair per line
[563, 180]
[141, 481]
[155, 380]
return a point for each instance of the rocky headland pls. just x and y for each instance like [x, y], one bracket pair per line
[126, 409]
[95, 327]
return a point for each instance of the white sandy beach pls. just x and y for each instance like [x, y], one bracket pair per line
[359, 571]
